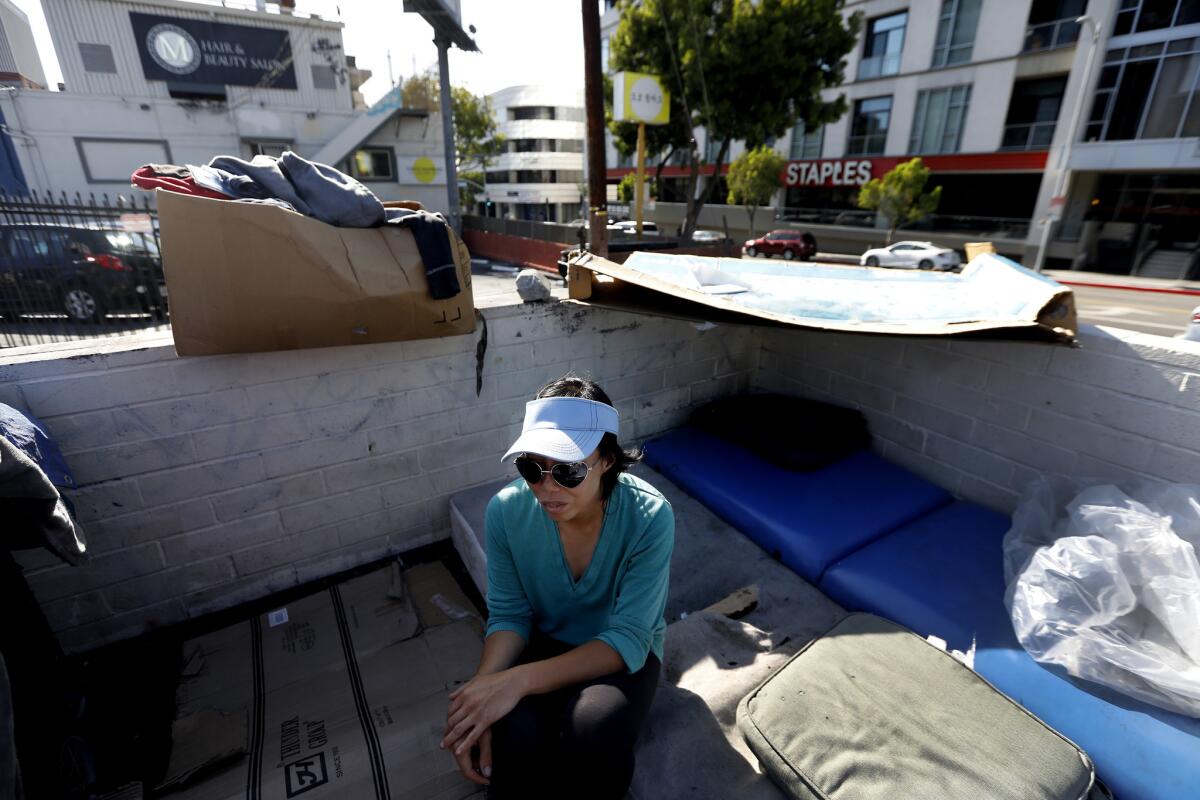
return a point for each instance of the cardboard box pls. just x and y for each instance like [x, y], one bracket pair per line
[244, 278]
[339, 695]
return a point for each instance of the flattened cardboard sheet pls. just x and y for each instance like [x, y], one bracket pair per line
[346, 699]
[991, 294]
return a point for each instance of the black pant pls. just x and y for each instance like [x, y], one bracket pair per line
[576, 742]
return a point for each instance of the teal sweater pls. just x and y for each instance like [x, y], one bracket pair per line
[621, 596]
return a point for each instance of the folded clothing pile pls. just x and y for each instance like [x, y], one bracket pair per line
[315, 190]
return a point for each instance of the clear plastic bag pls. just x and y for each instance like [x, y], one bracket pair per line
[1106, 583]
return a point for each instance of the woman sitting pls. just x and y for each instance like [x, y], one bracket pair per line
[578, 557]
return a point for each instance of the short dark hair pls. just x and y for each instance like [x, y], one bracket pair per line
[572, 385]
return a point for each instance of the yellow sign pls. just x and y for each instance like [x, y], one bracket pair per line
[424, 169]
[638, 97]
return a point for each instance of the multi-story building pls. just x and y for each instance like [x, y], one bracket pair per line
[985, 91]
[19, 62]
[540, 174]
[169, 81]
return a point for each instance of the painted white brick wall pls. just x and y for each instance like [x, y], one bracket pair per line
[205, 482]
[983, 418]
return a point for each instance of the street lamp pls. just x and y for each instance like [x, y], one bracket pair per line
[1064, 172]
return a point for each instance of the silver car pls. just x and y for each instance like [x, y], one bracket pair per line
[912, 255]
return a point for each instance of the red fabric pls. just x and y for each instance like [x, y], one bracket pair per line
[146, 178]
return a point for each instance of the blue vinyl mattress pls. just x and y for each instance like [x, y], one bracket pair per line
[806, 519]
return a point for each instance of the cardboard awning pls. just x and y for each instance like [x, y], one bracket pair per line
[991, 293]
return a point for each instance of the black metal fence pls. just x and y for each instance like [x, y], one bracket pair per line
[79, 267]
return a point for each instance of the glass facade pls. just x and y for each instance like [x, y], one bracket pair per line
[531, 112]
[1052, 24]
[1139, 16]
[805, 144]
[956, 32]
[882, 46]
[1148, 92]
[1033, 113]
[869, 126]
[938, 120]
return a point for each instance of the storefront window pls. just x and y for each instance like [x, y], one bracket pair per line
[956, 32]
[869, 126]
[1148, 92]
[806, 144]
[882, 46]
[938, 121]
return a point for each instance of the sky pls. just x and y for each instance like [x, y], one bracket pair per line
[523, 41]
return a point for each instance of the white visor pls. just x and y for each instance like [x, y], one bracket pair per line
[563, 428]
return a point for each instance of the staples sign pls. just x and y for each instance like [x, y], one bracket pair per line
[844, 172]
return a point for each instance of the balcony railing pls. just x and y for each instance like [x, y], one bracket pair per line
[1050, 35]
[878, 66]
[1028, 136]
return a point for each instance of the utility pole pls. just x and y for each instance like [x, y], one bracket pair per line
[443, 48]
[1063, 177]
[593, 83]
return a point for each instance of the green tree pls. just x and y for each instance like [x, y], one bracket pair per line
[753, 179]
[476, 142]
[626, 191]
[420, 92]
[477, 145]
[900, 195]
[742, 69]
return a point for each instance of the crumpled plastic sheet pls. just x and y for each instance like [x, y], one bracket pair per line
[1105, 582]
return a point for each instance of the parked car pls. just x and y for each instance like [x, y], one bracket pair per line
[707, 236]
[789, 244]
[1192, 333]
[630, 226]
[912, 255]
[84, 273]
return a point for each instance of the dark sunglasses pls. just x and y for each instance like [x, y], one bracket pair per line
[567, 474]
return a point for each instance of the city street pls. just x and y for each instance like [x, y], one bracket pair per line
[1148, 312]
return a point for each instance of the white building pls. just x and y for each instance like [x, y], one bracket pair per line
[167, 81]
[19, 62]
[984, 91]
[540, 174]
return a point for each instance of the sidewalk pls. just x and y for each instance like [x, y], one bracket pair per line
[1102, 280]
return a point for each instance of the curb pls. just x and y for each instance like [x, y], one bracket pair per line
[1127, 287]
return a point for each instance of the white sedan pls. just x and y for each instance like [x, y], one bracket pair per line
[911, 255]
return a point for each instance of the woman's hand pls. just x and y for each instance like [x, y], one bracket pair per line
[476, 706]
[477, 774]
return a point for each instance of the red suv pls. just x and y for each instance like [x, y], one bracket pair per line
[789, 244]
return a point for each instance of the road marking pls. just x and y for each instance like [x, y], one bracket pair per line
[1119, 318]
